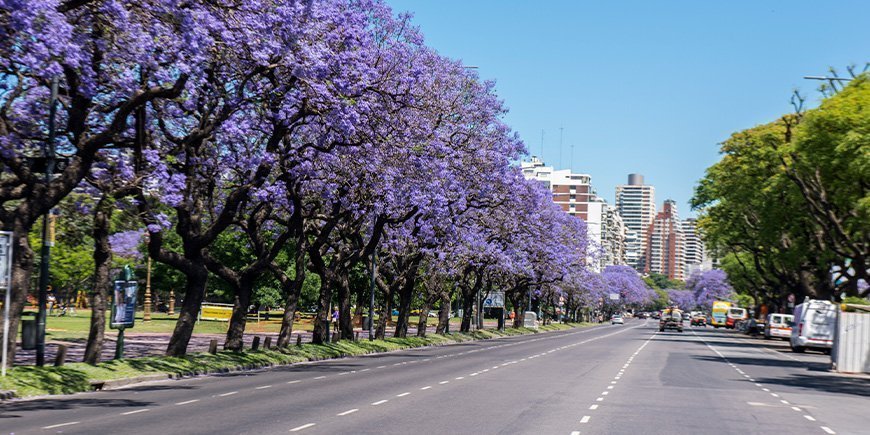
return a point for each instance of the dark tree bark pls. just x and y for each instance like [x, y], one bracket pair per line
[407, 281]
[102, 280]
[292, 288]
[443, 312]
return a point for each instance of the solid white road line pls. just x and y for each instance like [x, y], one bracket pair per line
[304, 426]
[187, 401]
[73, 422]
[135, 412]
[349, 411]
[379, 402]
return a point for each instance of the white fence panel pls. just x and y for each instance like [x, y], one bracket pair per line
[851, 353]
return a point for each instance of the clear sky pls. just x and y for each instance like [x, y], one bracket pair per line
[644, 86]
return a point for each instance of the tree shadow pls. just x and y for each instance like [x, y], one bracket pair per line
[65, 404]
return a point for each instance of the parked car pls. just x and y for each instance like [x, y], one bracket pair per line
[813, 326]
[617, 318]
[779, 326]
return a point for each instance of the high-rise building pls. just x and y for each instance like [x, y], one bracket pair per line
[575, 194]
[695, 256]
[636, 204]
[664, 243]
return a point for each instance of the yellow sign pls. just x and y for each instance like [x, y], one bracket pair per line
[221, 312]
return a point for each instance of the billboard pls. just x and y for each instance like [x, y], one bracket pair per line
[221, 312]
[124, 304]
[494, 300]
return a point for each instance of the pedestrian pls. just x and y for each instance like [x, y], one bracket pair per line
[335, 321]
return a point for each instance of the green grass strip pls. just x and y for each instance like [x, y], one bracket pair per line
[27, 381]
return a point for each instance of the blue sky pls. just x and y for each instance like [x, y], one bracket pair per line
[644, 86]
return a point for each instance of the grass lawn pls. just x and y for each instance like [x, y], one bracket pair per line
[76, 326]
[77, 377]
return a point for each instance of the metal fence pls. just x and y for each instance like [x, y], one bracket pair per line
[851, 352]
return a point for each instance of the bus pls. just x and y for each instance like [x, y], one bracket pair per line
[720, 313]
[735, 314]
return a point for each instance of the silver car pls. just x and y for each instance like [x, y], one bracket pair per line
[617, 319]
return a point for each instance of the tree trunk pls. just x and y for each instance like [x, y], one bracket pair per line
[467, 305]
[292, 290]
[324, 301]
[235, 340]
[22, 266]
[197, 277]
[443, 313]
[102, 280]
[424, 319]
[345, 322]
[517, 300]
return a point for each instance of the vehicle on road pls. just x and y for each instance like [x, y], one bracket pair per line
[699, 320]
[720, 313]
[813, 326]
[672, 318]
[617, 318]
[734, 316]
[779, 326]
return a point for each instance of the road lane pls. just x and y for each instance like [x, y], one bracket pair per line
[302, 388]
[606, 379]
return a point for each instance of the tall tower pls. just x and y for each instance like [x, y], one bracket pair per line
[664, 244]
[636, 204]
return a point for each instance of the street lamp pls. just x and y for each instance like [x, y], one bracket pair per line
[47, 231]
[146, 317]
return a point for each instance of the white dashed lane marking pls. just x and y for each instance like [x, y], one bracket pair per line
[349, 411]
[135, 412]
[61, 425]
[187, 401]
[304, 426]
[380, 402]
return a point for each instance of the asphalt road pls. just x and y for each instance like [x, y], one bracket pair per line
[606, 379]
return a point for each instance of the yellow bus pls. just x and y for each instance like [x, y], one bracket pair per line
[720, 313]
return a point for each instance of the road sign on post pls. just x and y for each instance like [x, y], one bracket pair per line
[6, 285]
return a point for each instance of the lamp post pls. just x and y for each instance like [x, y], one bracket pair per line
[146, 317]
[47, 242]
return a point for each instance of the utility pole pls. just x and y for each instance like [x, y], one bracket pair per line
[47, 232]
[371, 319]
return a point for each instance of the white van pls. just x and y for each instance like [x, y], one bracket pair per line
[813, 326]
[779, 326]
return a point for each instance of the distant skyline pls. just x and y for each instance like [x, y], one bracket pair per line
[644, 87]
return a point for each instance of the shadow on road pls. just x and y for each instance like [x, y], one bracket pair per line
[65, 404]
[769, 362]
[827, 384]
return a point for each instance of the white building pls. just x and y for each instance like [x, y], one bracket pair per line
[575, 194]
[695, 256]
[635, 203]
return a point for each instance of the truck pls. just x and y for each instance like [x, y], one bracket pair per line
[672, 318]
[719, 315]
